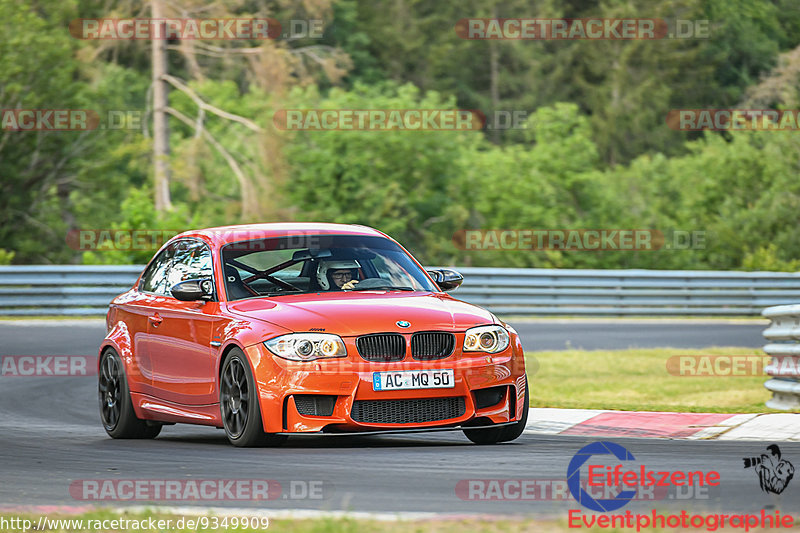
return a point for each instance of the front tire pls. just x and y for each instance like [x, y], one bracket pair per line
[239, 405]
[503, 433]
[116, 409]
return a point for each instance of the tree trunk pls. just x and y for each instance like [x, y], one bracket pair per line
[494, 91]
[160, 103]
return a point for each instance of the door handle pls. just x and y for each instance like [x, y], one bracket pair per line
[155, 319]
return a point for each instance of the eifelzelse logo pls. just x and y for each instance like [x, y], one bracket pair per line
[630, 480]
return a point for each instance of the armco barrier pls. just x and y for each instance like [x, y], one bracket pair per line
[783, 344]
[63, 289]
[534, 291]
[86, 290]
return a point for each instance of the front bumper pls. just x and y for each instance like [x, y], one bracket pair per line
[394, 431]
[348, 381]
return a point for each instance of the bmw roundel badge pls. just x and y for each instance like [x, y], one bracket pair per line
[403, 323]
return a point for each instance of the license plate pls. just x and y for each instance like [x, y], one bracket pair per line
[413, 379]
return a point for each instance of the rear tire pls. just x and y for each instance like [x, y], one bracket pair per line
[239, 404]
[503, 433]
[116, 409]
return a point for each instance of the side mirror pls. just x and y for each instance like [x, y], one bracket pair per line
[193, 289]
[446, 279]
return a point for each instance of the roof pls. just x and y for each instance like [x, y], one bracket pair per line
[226, 234]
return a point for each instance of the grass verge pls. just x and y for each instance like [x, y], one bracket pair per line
[639, 380]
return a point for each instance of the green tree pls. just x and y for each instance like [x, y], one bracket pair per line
[407, 183]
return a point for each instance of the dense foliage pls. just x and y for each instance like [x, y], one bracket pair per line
[595, 150]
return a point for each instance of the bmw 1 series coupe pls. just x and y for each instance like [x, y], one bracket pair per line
[271, 330]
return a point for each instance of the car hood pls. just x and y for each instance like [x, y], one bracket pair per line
[357, 313]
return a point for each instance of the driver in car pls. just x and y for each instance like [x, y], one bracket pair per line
[337, 275]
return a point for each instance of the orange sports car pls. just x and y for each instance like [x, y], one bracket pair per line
[272, 330]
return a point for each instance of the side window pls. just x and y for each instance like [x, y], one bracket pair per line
[155, 277]
[192, 261]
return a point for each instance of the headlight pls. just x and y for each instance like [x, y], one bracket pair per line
[489, 339]
[307, 346]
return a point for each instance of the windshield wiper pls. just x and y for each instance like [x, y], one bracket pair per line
[381, 288]
[283, 293]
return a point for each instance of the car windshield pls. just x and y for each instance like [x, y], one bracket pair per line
[315, 263]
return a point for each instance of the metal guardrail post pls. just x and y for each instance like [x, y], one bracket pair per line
[783, 336]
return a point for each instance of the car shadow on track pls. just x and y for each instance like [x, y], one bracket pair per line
[331, 441]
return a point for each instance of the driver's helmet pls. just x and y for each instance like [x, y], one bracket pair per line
[326, 266]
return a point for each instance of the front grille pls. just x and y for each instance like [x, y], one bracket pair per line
[314, 404]
[407, 411]
[382, 347]
[430, 345]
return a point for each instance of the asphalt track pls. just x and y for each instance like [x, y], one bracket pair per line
[83, 336]
[50, 437]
